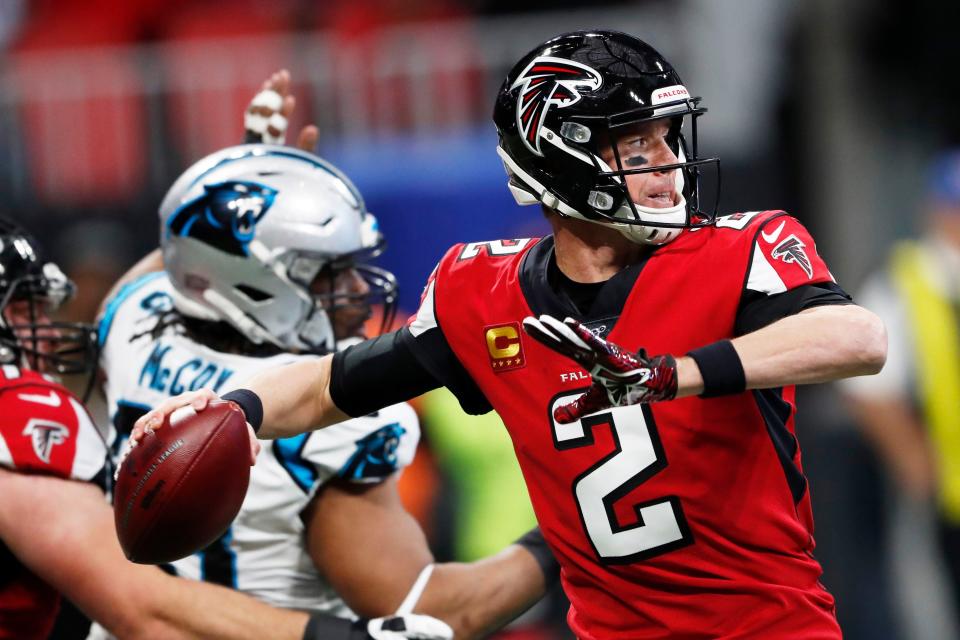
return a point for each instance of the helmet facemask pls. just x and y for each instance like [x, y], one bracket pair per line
[344, 291]
[27, 335]
[579, 151]
[609, 199]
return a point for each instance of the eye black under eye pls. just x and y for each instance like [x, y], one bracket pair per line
[635, 161]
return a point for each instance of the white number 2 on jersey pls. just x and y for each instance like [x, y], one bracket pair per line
[637, 456]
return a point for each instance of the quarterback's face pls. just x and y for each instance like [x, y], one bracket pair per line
[641, 146]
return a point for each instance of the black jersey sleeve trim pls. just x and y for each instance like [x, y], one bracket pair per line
[435, 355]
[377, 373]
[757, 310]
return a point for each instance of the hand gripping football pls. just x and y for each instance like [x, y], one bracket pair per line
[182, 486]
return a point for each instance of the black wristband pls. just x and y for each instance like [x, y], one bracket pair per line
[720, 368]
[251, 405]
[534, 542]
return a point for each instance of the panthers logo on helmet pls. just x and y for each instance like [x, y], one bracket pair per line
[225, 216]
[545, 82]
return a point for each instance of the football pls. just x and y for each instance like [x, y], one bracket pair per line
[183, 485]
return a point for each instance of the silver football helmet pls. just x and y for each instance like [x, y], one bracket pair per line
[258, 236]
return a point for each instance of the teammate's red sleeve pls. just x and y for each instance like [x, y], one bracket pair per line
[45, 429]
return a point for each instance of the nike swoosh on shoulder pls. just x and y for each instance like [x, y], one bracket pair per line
[51, 400]
[772, 237]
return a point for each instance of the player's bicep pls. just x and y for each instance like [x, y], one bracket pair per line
[366, 544]
[758, 310]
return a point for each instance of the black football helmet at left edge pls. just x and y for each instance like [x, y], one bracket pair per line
[30, 289]
[574, 97]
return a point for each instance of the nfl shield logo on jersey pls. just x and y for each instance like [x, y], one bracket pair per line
[504, 346]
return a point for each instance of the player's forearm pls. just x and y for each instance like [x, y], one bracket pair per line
[372, 584]
[479, 597]
[296, 398]
[198, 610]
[816, 345]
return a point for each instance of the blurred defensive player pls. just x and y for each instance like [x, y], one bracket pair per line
[264, 257]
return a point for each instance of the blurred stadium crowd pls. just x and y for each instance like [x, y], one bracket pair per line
[831, 110]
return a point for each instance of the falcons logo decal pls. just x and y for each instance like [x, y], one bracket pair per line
[791, 251]
[549, 81]
[44, 435]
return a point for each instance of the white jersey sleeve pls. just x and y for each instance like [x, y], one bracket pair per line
[365, 449]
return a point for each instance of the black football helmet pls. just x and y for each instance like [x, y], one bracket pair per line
[580, 92]
[37, 342]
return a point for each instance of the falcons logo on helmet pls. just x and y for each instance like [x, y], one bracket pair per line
[44, 435]
[549, 81]
[791, 251]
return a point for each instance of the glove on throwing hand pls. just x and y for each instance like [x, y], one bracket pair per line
[620, 378]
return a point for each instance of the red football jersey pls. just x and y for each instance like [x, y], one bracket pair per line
[681, 519]
[43, 429]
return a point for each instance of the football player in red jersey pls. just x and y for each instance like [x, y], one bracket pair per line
[643, 357]
[56, 529]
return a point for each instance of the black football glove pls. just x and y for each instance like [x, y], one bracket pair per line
[620, 378]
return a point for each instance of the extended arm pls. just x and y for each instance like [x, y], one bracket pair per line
[816, 345]
[346, 520]
[296, 398]
[300, 397]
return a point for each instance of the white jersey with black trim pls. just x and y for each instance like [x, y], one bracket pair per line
[263, 551]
